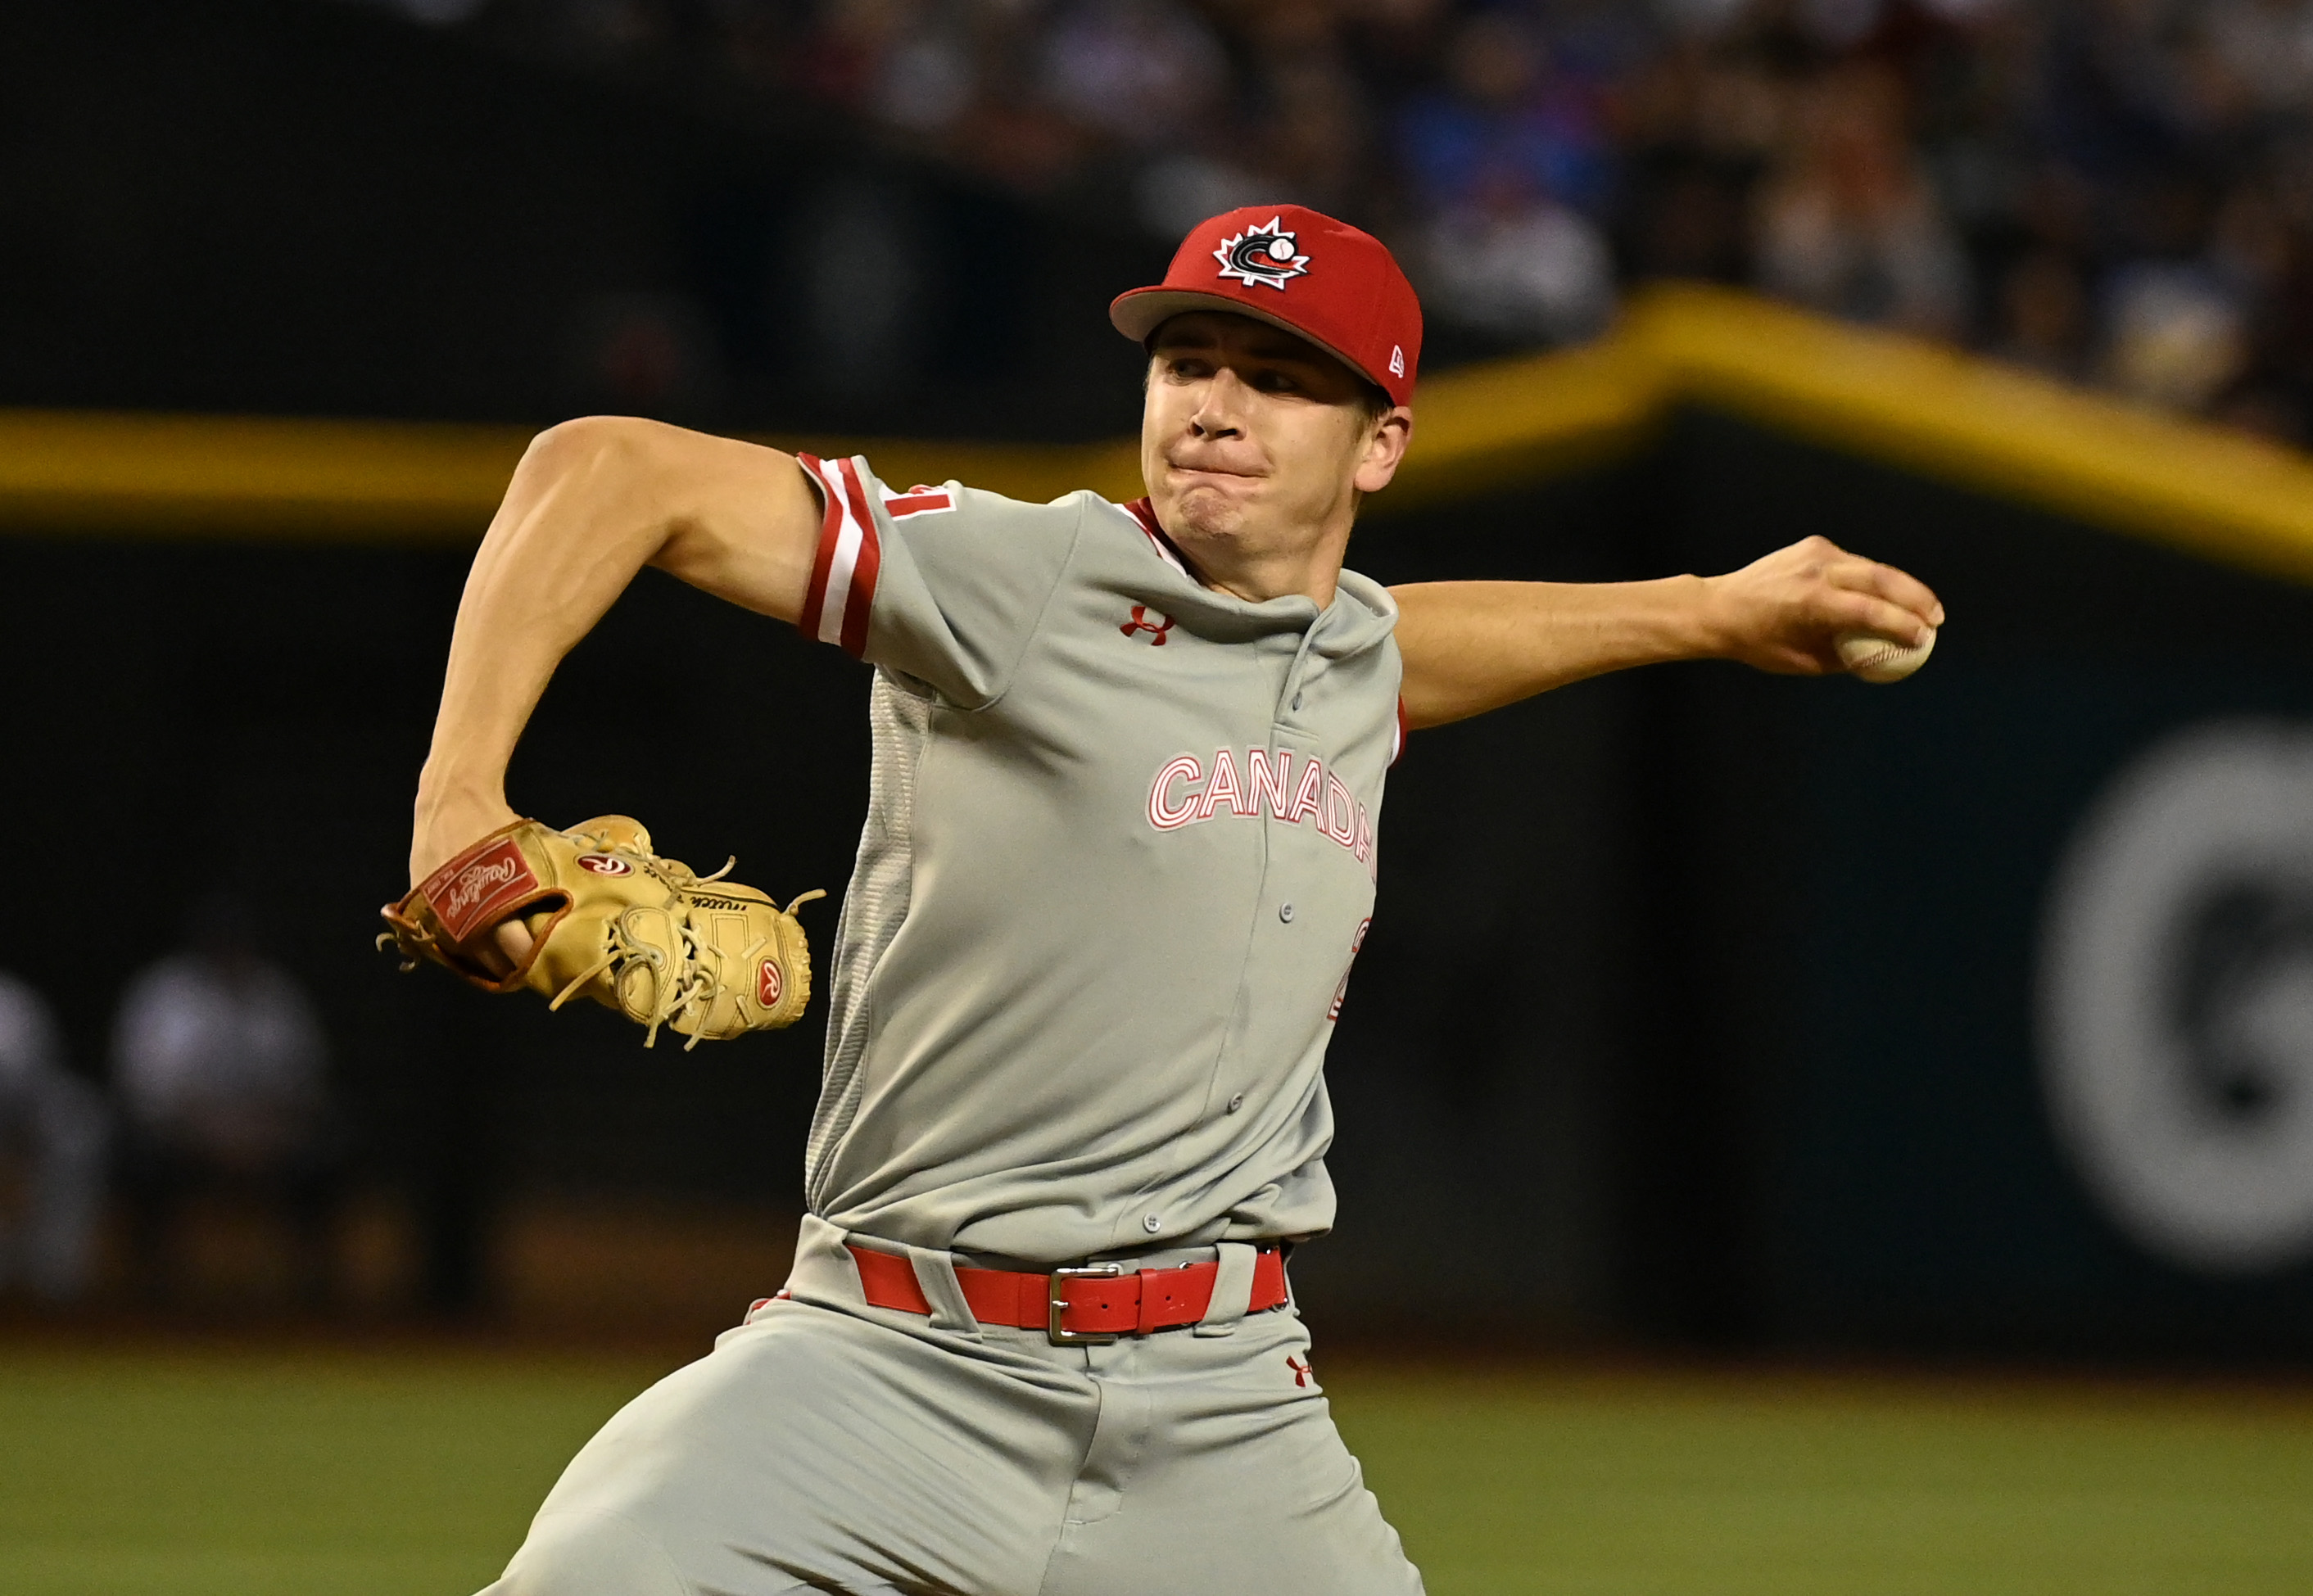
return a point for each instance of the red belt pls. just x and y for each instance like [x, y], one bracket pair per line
[1084, 1304]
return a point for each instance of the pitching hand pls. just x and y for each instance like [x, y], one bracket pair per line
[1781, 613]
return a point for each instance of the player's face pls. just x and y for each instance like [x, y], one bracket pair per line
[1256, 446]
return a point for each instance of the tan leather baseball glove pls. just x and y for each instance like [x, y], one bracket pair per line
[611, 920]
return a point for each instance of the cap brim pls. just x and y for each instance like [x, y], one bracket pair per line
[1143, 311]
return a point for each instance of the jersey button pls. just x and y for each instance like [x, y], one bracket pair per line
[1285, 913]
[1152, 1224]
[1236, 1103]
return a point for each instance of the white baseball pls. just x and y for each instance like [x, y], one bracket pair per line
[1875, 658]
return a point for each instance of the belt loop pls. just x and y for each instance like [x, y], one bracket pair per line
[822, 1272]
[935, 1278]
[1231, 1289]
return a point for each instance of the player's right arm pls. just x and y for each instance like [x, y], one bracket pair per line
[591, 503]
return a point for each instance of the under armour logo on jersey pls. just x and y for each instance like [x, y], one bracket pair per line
[1263, 255]
[1302, 1373]
[1141, 623]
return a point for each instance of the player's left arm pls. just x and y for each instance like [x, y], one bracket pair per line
[1472, 646]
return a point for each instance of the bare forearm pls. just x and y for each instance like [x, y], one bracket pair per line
[592, 504]
[576, 525]
[1472, 646]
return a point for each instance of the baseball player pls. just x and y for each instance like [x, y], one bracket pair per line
[1118, 856]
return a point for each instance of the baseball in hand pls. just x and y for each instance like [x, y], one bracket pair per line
[1875, 658]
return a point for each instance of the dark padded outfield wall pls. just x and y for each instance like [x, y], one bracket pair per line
[2023, 1015]
[1972, 1013]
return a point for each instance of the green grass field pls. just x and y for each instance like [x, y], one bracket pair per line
[406, 1472]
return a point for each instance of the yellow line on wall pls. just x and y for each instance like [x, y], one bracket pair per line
[383, 480]
[1482, 429]
[247, 475]
[1983, 424]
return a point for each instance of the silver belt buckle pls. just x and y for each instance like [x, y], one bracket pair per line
[1059, 1305]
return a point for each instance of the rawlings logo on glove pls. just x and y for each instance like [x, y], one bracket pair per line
[477, 890]
[612, 921]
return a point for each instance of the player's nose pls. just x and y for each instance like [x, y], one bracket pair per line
[1218, 414]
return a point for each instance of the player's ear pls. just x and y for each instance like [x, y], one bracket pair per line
[1386, 447]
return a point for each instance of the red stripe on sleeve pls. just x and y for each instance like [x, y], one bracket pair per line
[1397, 749]
[814, 598]
[862, 597]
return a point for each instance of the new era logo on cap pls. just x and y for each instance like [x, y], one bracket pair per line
[1298, 269]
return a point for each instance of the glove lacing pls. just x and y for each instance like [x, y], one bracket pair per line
[703, 989]
[673, 1001]
[701, 986]
[399, 942]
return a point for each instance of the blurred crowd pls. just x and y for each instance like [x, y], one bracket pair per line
[218, 1091]
[2119, 192]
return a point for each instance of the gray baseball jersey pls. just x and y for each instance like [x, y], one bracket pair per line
[1120, 854]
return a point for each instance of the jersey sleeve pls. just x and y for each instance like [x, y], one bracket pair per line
[947, 584]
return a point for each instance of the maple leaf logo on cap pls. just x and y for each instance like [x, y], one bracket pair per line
[1267, 255]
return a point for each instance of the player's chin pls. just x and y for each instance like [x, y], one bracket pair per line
[1207, 510]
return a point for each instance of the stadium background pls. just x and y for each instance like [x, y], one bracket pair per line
[1738, 1190]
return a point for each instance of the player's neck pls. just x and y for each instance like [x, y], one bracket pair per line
[1317, 591]
[1224, 564]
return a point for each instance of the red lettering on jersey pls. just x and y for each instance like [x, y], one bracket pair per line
[1264, 783]
[1164, 813]
[1342, 990]
[1175, 799]
[1340, 820]
[918, 500]
[1305, 796]
[1223, 785]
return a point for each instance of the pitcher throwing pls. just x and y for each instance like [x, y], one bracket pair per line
[1119, 858]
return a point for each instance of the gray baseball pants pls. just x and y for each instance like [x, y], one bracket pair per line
[825, 1445]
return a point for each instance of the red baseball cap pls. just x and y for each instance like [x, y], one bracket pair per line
[1298, 269]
